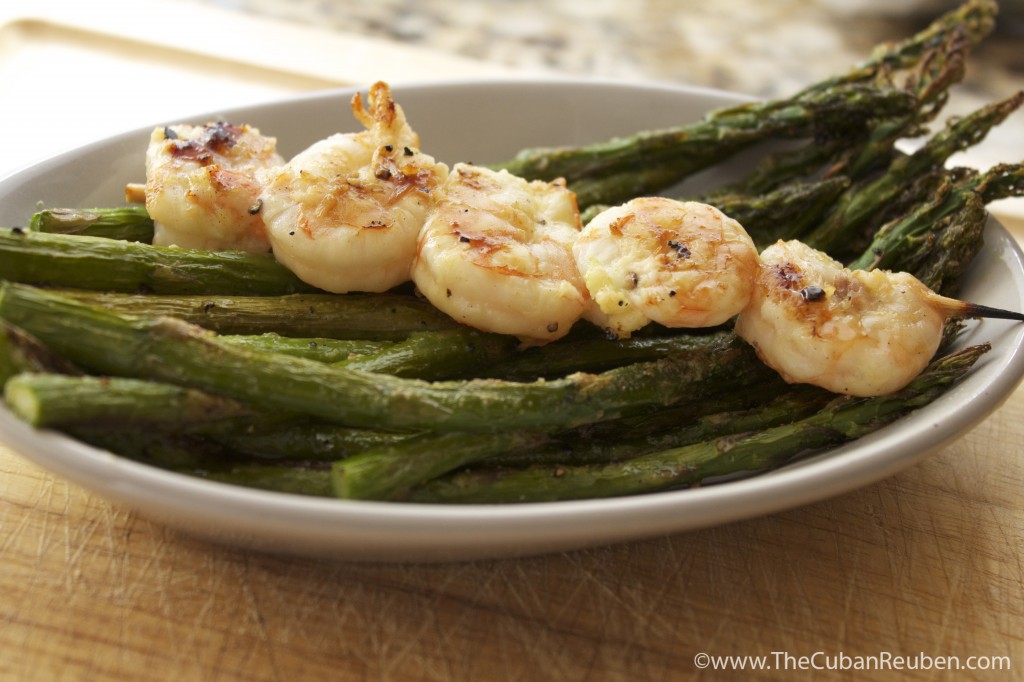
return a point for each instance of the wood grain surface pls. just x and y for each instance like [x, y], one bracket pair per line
[927, 562]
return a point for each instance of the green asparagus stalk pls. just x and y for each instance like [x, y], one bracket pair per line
[442, 354]
[622, 439]
[21, 352]
[207, 459]
[861, 202]
[900, 243]
[319, 349]
[975, 19]
[128, 223]
[773, 170]
[681, 151]
[166, 349]
[771, 200]
[788, 211]
[388, 472]
[58, 400]
[310, 441]
[930, 80]
[378, 317]
[935, 58]
[296, 480]
[175, 452]
[950, 248]
[938, 62]
[89, 406]
[785, 213]
[842, 420]
[591, 353]
[134, 405]
[97, 263]
[720, 133]
[390, 316]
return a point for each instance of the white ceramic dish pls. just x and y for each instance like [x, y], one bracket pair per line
[486, 122]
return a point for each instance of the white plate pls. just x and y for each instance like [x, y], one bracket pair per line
[487, 122]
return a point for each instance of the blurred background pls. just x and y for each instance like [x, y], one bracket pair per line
[70, 73]
[756, 47]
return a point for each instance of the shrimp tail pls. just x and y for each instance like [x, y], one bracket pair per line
[978, 310]
[952, 307]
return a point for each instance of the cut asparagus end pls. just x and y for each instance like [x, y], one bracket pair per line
[22, 401]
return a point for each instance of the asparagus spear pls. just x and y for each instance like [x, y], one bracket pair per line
[170, 350]
[591, 353]
[939, 69]
[773, 170]
[900, 243]
[616, 440]
[379, 317]
[319, 349]
[387, 472]
[862, 201]
[161, 450]
[975, 19]
[777, 199]
[950, 247]
[786, 211]
[57, 400]
[129, 223]
[21, 352]
[98, 263]
[621, 168]
[297, 480]
[441, 354]
[672, 154]
[207, 459]
[145, 412]
[842, 420]
[73, 402]
[310, 441]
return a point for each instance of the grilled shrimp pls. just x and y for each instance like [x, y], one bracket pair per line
[680, 264]
[496, 254]
[856, 332]
[344, 214]
[202, 186]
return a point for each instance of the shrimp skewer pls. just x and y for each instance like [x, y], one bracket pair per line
[855, 332]
[496, 254]
[344, 214]
[203, 186]
[680, 264]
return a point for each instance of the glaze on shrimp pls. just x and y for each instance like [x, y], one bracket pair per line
[680, 264]
[203, 186]
[344, 214]
[855, 332]
[496, 254]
